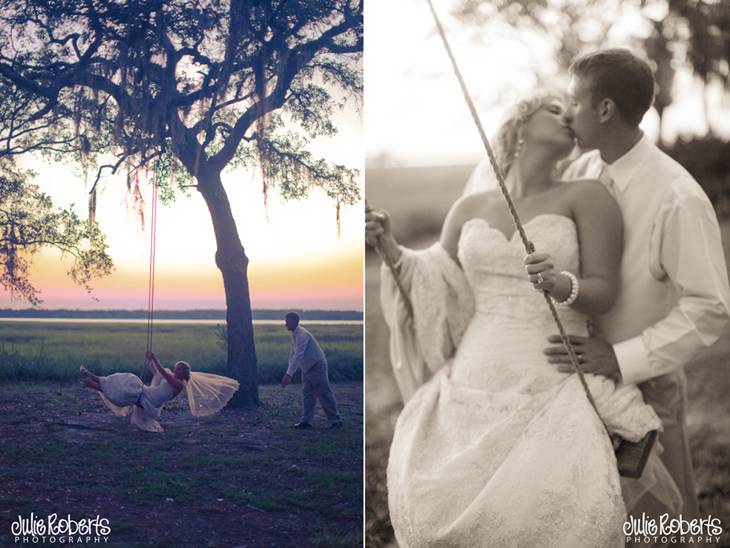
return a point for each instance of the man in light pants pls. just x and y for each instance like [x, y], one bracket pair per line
[306, 355]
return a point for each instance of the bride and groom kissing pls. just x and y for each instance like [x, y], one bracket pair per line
[497, 444]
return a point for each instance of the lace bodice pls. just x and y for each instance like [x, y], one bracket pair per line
[503, 346]
[495, 270]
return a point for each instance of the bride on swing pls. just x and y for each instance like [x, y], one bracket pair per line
[125, 393]
[495, 446]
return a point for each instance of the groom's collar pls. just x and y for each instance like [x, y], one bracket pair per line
[623, 169]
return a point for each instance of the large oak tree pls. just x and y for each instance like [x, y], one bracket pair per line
[187, 89]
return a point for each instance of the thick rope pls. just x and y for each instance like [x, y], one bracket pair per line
[529, 247]
[394, 272]
[151, 275]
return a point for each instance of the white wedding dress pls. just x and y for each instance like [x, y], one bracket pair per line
[497, 448]
[126, 394]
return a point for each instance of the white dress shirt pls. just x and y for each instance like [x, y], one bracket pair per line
[674, 297]
[305, 351]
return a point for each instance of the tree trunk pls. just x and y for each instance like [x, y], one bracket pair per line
[231, 260]
[706, 109]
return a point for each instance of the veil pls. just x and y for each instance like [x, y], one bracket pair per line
[482, 179]
[209, 393]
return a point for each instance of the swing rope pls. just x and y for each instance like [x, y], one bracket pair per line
[151, 274]
[380, 248]
[529, 247]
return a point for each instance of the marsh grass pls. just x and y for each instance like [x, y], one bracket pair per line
[43, 351]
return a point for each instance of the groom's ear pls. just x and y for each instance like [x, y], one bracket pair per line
[606, 110]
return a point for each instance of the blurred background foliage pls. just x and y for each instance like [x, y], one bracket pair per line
[671, 33]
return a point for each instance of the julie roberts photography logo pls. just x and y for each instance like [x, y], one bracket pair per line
[55, 529]
[667, 530]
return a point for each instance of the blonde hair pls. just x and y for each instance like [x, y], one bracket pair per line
[506, 138]
[186, 367]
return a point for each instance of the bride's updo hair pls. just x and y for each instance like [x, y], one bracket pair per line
[185, 366]
[505, 140]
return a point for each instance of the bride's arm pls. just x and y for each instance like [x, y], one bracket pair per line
[440, 299]
[379, 235]
[150, 357]
[600, 236]
[171, 379]
[600, 239]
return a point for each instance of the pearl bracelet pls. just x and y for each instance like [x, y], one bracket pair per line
[574, 289]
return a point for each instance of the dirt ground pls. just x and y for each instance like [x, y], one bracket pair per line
[239, 478]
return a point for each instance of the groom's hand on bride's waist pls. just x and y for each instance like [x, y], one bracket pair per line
[595, 355]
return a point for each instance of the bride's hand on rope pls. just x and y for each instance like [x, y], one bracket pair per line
[541, 274]
[379, 234]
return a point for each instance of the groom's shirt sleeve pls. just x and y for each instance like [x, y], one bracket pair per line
[686, 247]
[299, 345]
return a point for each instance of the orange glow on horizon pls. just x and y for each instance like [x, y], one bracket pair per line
[323, 282]
[297, 257]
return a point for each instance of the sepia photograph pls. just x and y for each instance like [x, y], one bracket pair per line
[181, 273]
[547, 306]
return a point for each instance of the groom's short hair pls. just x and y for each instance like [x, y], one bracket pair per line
[621, 76]
[292, 317]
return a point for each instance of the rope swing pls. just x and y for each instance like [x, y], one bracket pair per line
[153, 252]
[528, 245]
[631, 457]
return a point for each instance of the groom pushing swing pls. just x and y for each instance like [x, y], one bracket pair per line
[306, 354]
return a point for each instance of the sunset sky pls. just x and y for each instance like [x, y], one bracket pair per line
[296, 258]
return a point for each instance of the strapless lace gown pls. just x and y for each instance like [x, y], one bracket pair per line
[499, 448]
[126, 394]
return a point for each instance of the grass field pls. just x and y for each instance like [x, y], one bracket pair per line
[401, 191]
[53, 351]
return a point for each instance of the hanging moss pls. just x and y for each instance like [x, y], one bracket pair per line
[337, 214]
[92, 206]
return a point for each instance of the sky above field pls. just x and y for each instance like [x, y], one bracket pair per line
[296, 257]
[414, 111]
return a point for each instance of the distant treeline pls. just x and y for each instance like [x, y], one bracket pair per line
[197, 314]
[708, 160]
[418, 198]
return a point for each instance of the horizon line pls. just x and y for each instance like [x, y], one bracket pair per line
[214, 313]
